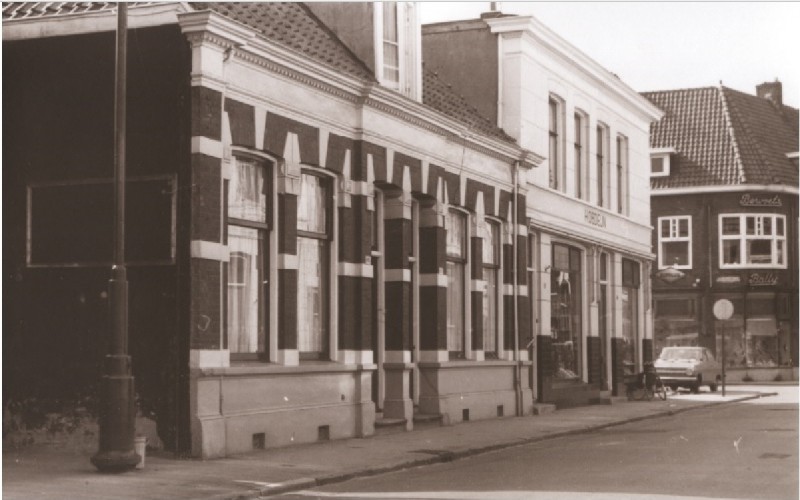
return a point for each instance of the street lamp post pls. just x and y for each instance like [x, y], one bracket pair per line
[117, 413]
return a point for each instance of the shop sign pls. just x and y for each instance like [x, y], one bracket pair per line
[670, 274]
[759, 279]
[729, 279]
[754, 201]
[594, 217]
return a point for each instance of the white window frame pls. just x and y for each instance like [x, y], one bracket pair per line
[332, 274]
[666, 155]
[409, 82]
[623, 174]
[743, 237]
[601, 162]
[674, 237]
[556, 169]
[664, 166]
[497, 269]
[581, 154]
[466, 338]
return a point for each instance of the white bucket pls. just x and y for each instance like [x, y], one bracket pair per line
[139, 446]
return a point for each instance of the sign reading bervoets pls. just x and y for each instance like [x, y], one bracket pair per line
[748, 200]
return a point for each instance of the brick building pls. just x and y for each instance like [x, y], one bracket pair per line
[588, 270]
[724, 179]
[321, 236]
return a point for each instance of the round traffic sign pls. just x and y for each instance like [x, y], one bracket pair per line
[723, 309]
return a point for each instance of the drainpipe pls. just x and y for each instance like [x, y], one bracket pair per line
[515, 265]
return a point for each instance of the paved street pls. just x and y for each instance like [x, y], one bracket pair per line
[741, 450]
[559, 444]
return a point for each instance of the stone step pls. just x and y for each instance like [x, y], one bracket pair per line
[389, 425]
[543, 408]
[426, 420]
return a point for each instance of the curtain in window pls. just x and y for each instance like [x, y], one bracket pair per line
[311, 295]
[247, 198]
[455, 307]
[490, 311]
[245, 304]
[311, 208]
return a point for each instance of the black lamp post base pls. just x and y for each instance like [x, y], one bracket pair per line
[115, 461]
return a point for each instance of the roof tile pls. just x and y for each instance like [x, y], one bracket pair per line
[723, 137]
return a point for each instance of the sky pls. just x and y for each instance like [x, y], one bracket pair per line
[669, 45]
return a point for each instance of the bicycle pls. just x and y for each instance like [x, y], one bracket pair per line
[645, 385]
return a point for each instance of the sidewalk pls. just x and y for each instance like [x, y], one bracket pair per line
[50, 472]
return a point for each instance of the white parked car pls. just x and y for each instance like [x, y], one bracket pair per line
[689, 367]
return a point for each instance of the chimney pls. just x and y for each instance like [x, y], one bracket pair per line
[772, 91]
[494, 11]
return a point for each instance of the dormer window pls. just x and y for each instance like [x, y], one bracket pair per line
[398, 45]
[660, 162]
[391, 46]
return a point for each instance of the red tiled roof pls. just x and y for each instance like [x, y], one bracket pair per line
[440, 96]
[724, 137]
[293, 25]
[32, 10]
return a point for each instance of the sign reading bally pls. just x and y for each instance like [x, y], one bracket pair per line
[758, 279]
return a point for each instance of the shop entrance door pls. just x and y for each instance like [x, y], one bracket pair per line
[602, 309]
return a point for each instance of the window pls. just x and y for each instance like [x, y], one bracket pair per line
[247, 220]
[313, 261]
[659, 166]
[675, 242]
[629, 293]
[555, 143]
[456, 281]
[532, 295]
[622, 175]
[566, 311]
[391, 46]
[491, 272]
[752, 241]
[602, 155]
[580, 162]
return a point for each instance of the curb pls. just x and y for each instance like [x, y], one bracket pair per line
[450, 456]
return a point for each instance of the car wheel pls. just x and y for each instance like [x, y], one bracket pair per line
[696, 386]
[716, 383]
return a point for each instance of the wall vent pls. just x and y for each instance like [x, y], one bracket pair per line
[259, 441]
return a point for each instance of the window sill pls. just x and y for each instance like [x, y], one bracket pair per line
[746, 267]
[249, 368]
[470, 363]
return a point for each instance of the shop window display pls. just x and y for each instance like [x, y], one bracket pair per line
[566, 311]
[676, 323]
[752, 337]
[629, 294]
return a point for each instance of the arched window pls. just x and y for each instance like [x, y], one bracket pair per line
[249, 202]
[314, 235]
[456, 281]
[491, 297]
